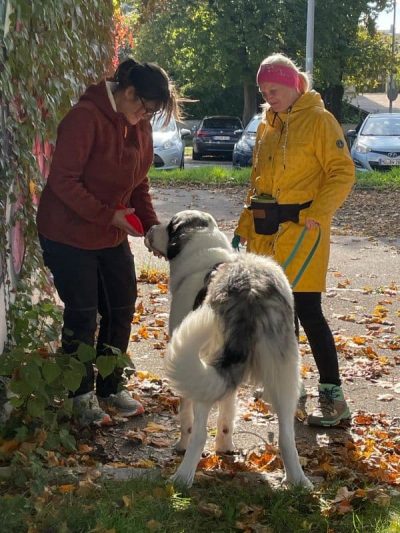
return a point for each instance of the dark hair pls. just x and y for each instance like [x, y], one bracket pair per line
[151, 82]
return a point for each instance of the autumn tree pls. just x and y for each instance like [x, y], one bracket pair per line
[212, 48]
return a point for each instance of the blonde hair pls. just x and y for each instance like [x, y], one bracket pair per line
[281, 59]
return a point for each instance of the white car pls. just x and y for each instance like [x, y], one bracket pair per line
[168, 146]
[376, 143]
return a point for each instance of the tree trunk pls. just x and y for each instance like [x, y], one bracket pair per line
[250, 101]
[333, 97]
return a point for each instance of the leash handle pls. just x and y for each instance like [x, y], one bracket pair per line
[307, 260]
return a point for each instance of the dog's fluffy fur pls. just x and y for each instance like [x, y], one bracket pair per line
[242, 331]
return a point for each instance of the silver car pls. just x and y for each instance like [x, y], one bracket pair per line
[168, 146]
[243, 151]
[376, 145]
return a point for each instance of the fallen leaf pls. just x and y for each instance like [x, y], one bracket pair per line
[67, 489]
[153, 525]
[210, 509]
[385, 398]
[127, 501]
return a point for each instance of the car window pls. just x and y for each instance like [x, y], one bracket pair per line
[253, 124]
[381, 126]
[157, 124]
[222, 123]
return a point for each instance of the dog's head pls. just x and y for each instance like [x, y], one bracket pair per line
[169, 239]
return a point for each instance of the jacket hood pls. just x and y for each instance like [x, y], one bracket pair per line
[97, 94]
[306, 101]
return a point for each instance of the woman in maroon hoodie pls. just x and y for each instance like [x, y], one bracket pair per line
[103, 152]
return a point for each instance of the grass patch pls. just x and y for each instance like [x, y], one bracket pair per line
[211, 506]
[206, 175]
[227, 175]
[379, 180]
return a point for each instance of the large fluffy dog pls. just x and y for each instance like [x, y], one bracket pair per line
[231, 321]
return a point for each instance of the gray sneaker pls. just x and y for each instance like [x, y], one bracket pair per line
[333, 408]
[123, 404]
[88, 412]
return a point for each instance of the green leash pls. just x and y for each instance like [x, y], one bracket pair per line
[308, 258]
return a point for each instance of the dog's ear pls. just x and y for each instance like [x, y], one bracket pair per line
[179, 229]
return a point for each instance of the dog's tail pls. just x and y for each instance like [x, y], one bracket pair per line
[196, 340]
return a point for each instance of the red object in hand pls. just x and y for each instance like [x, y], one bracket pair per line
[133, 220]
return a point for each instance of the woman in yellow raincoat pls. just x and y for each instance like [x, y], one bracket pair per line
[300, 160]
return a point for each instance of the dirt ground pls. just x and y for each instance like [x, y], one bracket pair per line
[362, 305]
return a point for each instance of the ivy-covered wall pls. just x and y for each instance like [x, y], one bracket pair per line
[50, 50]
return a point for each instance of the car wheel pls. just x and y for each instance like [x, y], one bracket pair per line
[196, 156]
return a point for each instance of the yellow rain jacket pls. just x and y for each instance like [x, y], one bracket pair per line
[299, 156]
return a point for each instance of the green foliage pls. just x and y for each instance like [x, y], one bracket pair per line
[34, 324]
[41, 382]
[369, 65]
[213, 49]
[51, 52]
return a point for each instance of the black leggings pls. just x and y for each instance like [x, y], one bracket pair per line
[92, 282]
[308, 311]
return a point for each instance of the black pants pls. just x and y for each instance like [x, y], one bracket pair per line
[308, 311]
[91, 282]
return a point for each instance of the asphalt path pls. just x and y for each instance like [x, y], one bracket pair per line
[364, 273]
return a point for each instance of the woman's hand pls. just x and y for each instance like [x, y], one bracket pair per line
[147, 240]
[310, 223]
[237, 241]
[120, 221]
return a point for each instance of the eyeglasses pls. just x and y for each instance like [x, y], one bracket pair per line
[148, 112]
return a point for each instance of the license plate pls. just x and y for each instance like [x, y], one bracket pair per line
[389, 162]
[221, 138]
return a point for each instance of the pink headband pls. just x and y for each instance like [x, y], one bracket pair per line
[273, 73]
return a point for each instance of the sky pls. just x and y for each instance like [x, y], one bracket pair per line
[385, 20]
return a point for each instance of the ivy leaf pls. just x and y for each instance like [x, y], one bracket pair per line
[6, 365]
[106, 364]
[77, 366]
[50, 371]
[35, 407]
[67, 440]
[17, 401]
[31, 374]
[21, 387]
[86, 353]
[72, 380]
[123, 360]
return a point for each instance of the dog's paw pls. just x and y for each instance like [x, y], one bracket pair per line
[301, 481]
[181, 479]
[224, 445]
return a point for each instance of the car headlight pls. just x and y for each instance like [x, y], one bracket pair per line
[167, 145]
[243, 146]
[361, 148]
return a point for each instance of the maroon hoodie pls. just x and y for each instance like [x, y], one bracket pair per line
[100, 161]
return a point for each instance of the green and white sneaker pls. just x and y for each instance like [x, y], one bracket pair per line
[123, 404]
[88, 412]
[332, 409]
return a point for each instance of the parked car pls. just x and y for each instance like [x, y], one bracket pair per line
[168, 146]
[243, 150]
[376, 144]
[216, 135]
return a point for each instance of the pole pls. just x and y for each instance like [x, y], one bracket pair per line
[310, 38]
[393, 47]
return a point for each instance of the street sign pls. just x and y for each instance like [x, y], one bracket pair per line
[392, 91]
